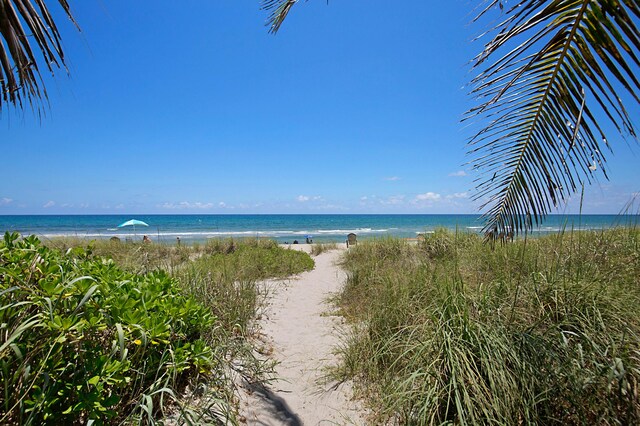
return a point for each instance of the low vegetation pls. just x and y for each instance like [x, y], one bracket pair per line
[318, 249]
[225, 277]
[539, 331]
[104, 335]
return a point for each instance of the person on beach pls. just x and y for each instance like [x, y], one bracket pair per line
[146, 239]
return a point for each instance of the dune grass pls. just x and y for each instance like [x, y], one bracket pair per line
[318, 249]
[225, 276]
[539, 331]
[104, 334]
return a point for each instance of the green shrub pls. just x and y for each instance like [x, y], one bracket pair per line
[81, 340]
[167, 338]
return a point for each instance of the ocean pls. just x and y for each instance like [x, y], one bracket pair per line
[283, 228]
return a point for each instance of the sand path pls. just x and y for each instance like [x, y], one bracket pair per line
[301, 331]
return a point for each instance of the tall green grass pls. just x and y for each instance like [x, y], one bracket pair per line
[136, 257]
[540, 331]
[225, 277]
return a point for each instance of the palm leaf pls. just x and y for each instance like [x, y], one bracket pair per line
[27, 26]
[561, 65]
[278, 11]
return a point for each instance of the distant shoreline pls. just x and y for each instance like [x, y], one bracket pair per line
[193, 229]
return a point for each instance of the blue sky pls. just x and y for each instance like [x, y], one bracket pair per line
[353, 107]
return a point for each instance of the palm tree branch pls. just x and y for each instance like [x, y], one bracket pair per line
[23, 23]
[498, 216]
[278, 11]
[541, 140]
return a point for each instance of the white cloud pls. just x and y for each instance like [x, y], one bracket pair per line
[186, 205]
[458, 195]
[459, 173]
[4, 201]
[393, 200]
[305, 198]
[364, 200]
[428, 196]
[202, 205]
[222, 204]
[332, 207]
[373, 200]
[392, 178]
[49, 204]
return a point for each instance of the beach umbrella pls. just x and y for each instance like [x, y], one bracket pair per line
[132, 222]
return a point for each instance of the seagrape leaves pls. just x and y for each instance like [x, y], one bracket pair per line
[82, 340]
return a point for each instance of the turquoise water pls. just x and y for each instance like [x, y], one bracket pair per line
[283, 228]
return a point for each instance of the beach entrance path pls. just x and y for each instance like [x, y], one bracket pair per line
[302, 335]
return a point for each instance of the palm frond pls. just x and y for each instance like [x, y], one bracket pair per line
[278, 11]
[27, 27]
[560, 67]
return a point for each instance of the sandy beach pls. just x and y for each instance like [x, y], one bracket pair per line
[301, 335]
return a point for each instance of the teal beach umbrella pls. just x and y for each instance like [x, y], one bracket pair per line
[132, 222]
